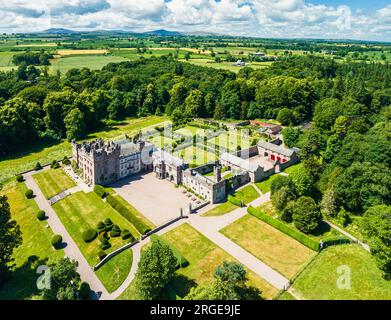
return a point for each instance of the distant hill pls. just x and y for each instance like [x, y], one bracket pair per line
[58, 31]
[163, 33]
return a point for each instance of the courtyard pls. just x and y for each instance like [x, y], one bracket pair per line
[158, 200]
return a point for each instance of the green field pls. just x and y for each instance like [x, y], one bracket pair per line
[6, 59]
[36, 248]
[92, 62]
[53, 181]
[45, 153]
[276, 249]
[195, 156]
[82, 211]
[231, 140]
[203, 256]
[319, 280]
[264, 186]
[114, 272]
[246, 194]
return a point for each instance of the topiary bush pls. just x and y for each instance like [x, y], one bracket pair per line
[19, 178]
[38, 167]
[89, 235]
[29, 194]
[100, 191]
[105, 244]
[115, 232]
[101, 227]
[66, 161]
[125, 234]
[85, 291]
[102, 254]
[56, 241]
[41, 215]
[109, 224]
[102, 236]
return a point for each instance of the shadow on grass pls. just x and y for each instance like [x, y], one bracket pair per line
[22, 282]
[182, 285]
[322, 229]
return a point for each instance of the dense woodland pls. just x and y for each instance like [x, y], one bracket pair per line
[346, 154]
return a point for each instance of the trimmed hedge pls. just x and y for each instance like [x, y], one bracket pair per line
[100, 191]
[105, 244]
[102, 254]
[38, 167]
[109, 224]
[56, 241]
[103, 236]
[127, 214]
[89, 235]
[101, 227]
[29, 194]
[335, 240]
[235, 201]
[125, 234]
[295, 234]
[19, 178]
[66, 161]
[115, 232]
[181, 260]
[41, 215]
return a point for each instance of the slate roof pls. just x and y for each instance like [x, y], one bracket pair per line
[275, 148]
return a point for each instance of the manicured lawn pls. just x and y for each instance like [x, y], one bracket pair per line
[264, 186]
[45, 153]
[231, 140]
[247, 194]
[204, 256]
[35, 249]
[114, 272]
[82, 211]
[319, 280]
[286, 296]
[191, 131]
[195, 156]
[268, 244]
[292, 168]
[53, 181]
[221, 209]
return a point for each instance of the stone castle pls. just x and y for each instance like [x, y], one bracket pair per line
[107, 162]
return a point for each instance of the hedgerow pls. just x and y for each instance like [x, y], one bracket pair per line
[295, 234]
[127, 214]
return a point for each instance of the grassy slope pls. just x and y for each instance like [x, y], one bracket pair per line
[204, 256]
[264, 186]
[271, 246]
[114, 272]
[81, 211]
[46, 152]
[53, 181]
[35, 249]
[319, 280]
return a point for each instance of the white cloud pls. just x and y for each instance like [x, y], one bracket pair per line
[268, 18]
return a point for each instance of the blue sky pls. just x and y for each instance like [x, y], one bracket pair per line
[370, 5]
[337, 19]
